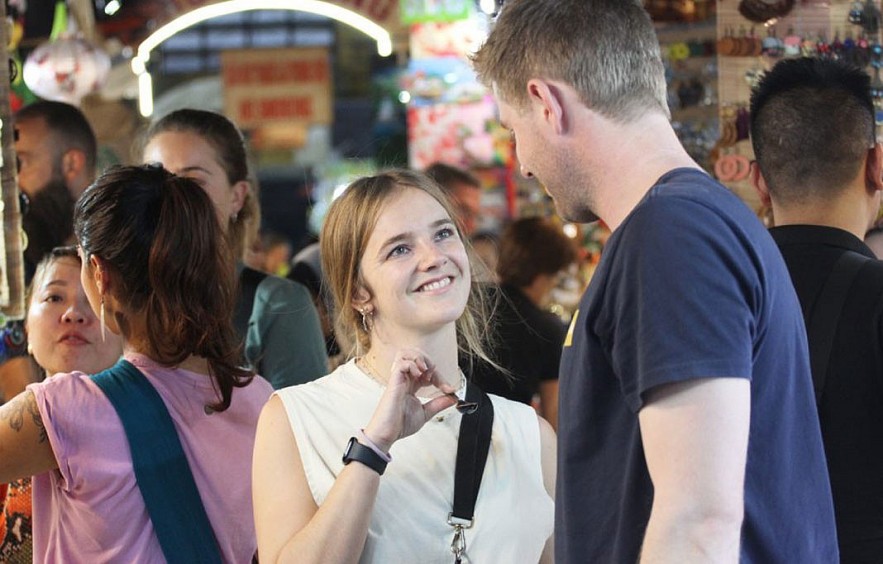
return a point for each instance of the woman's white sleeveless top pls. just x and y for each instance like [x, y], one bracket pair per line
[513, 513]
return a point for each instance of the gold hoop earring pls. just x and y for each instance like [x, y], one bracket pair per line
[101, 322]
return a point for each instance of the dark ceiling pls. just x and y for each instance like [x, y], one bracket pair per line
[134, 19]
[130, 24]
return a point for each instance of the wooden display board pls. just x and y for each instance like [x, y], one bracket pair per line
[11, 260]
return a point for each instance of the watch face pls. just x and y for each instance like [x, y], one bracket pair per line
[348, 449]
[356, 451]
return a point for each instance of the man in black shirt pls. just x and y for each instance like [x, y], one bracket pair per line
[821, 169]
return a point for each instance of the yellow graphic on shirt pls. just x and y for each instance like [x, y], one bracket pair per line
[568, 341]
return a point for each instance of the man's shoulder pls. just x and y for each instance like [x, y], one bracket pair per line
[813, 251]
[680, 186]
[691, 206]
[868, 286]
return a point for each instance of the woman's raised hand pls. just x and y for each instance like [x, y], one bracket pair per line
[400, 413]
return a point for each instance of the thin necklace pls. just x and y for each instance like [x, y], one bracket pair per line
[463, 406]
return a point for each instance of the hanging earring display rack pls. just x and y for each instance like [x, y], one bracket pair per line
[843, 29]
[689, 55]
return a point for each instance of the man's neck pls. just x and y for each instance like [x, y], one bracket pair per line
[77, 186]
[849, 212]
[637, 155]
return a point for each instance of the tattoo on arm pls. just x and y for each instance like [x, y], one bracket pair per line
[14, 413]
[36, 417]
[23, 406]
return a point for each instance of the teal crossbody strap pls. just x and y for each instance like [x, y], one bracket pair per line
[161, 469]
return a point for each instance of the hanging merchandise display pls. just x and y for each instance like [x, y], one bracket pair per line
[19, 93]
[688, 55]
[865, 14]
[67, 67]
[761, 11]
[451, 117]
[847, 30]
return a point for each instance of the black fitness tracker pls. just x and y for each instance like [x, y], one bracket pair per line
[360, 453]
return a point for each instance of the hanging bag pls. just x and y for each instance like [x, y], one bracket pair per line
[822, 325]
[472, 452]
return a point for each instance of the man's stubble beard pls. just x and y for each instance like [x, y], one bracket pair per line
[49, 221]
[574, 193]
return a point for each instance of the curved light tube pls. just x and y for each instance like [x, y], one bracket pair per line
[343, 15]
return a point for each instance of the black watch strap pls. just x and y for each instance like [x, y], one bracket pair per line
[360, 453]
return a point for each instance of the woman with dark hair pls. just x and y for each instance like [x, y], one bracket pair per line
[534, 252]
[148, 241]
[401, 280]
[63, 336]
[276, 317]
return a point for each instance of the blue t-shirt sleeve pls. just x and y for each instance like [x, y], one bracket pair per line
[683, 295]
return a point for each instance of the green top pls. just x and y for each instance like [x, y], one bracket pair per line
[284, 341]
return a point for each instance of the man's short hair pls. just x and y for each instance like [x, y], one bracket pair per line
[812, 123]
[532, 246]
[606, 50]
[448, 176]
[67, 124]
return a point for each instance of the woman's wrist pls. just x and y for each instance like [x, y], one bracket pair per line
[376, 440]
[378, 449]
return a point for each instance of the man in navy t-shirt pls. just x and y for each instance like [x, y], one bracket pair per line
[687, 423]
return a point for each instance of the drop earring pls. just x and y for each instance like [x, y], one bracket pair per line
[101, 321]
[365, 316]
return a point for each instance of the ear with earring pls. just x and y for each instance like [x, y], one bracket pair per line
[98, 273]
[101, 321]
[101, 317]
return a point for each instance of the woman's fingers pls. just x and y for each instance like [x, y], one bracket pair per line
[414, 365]
[400, 413]
[436, 405]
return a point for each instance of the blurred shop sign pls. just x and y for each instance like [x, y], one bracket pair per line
[382, 12]
[379, 11]
[265, 87]
[421, 11]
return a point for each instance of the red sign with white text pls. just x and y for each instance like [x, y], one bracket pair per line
[273, 86]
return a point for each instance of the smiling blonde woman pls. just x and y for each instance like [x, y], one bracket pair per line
[359, 466]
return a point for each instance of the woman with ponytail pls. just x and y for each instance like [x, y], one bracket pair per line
[156, 268]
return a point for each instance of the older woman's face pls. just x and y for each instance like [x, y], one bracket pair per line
[63, 331]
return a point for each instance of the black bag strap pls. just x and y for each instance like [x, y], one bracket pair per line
[472, 452]
[249, 280]
[822, 325]
[161, 469]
